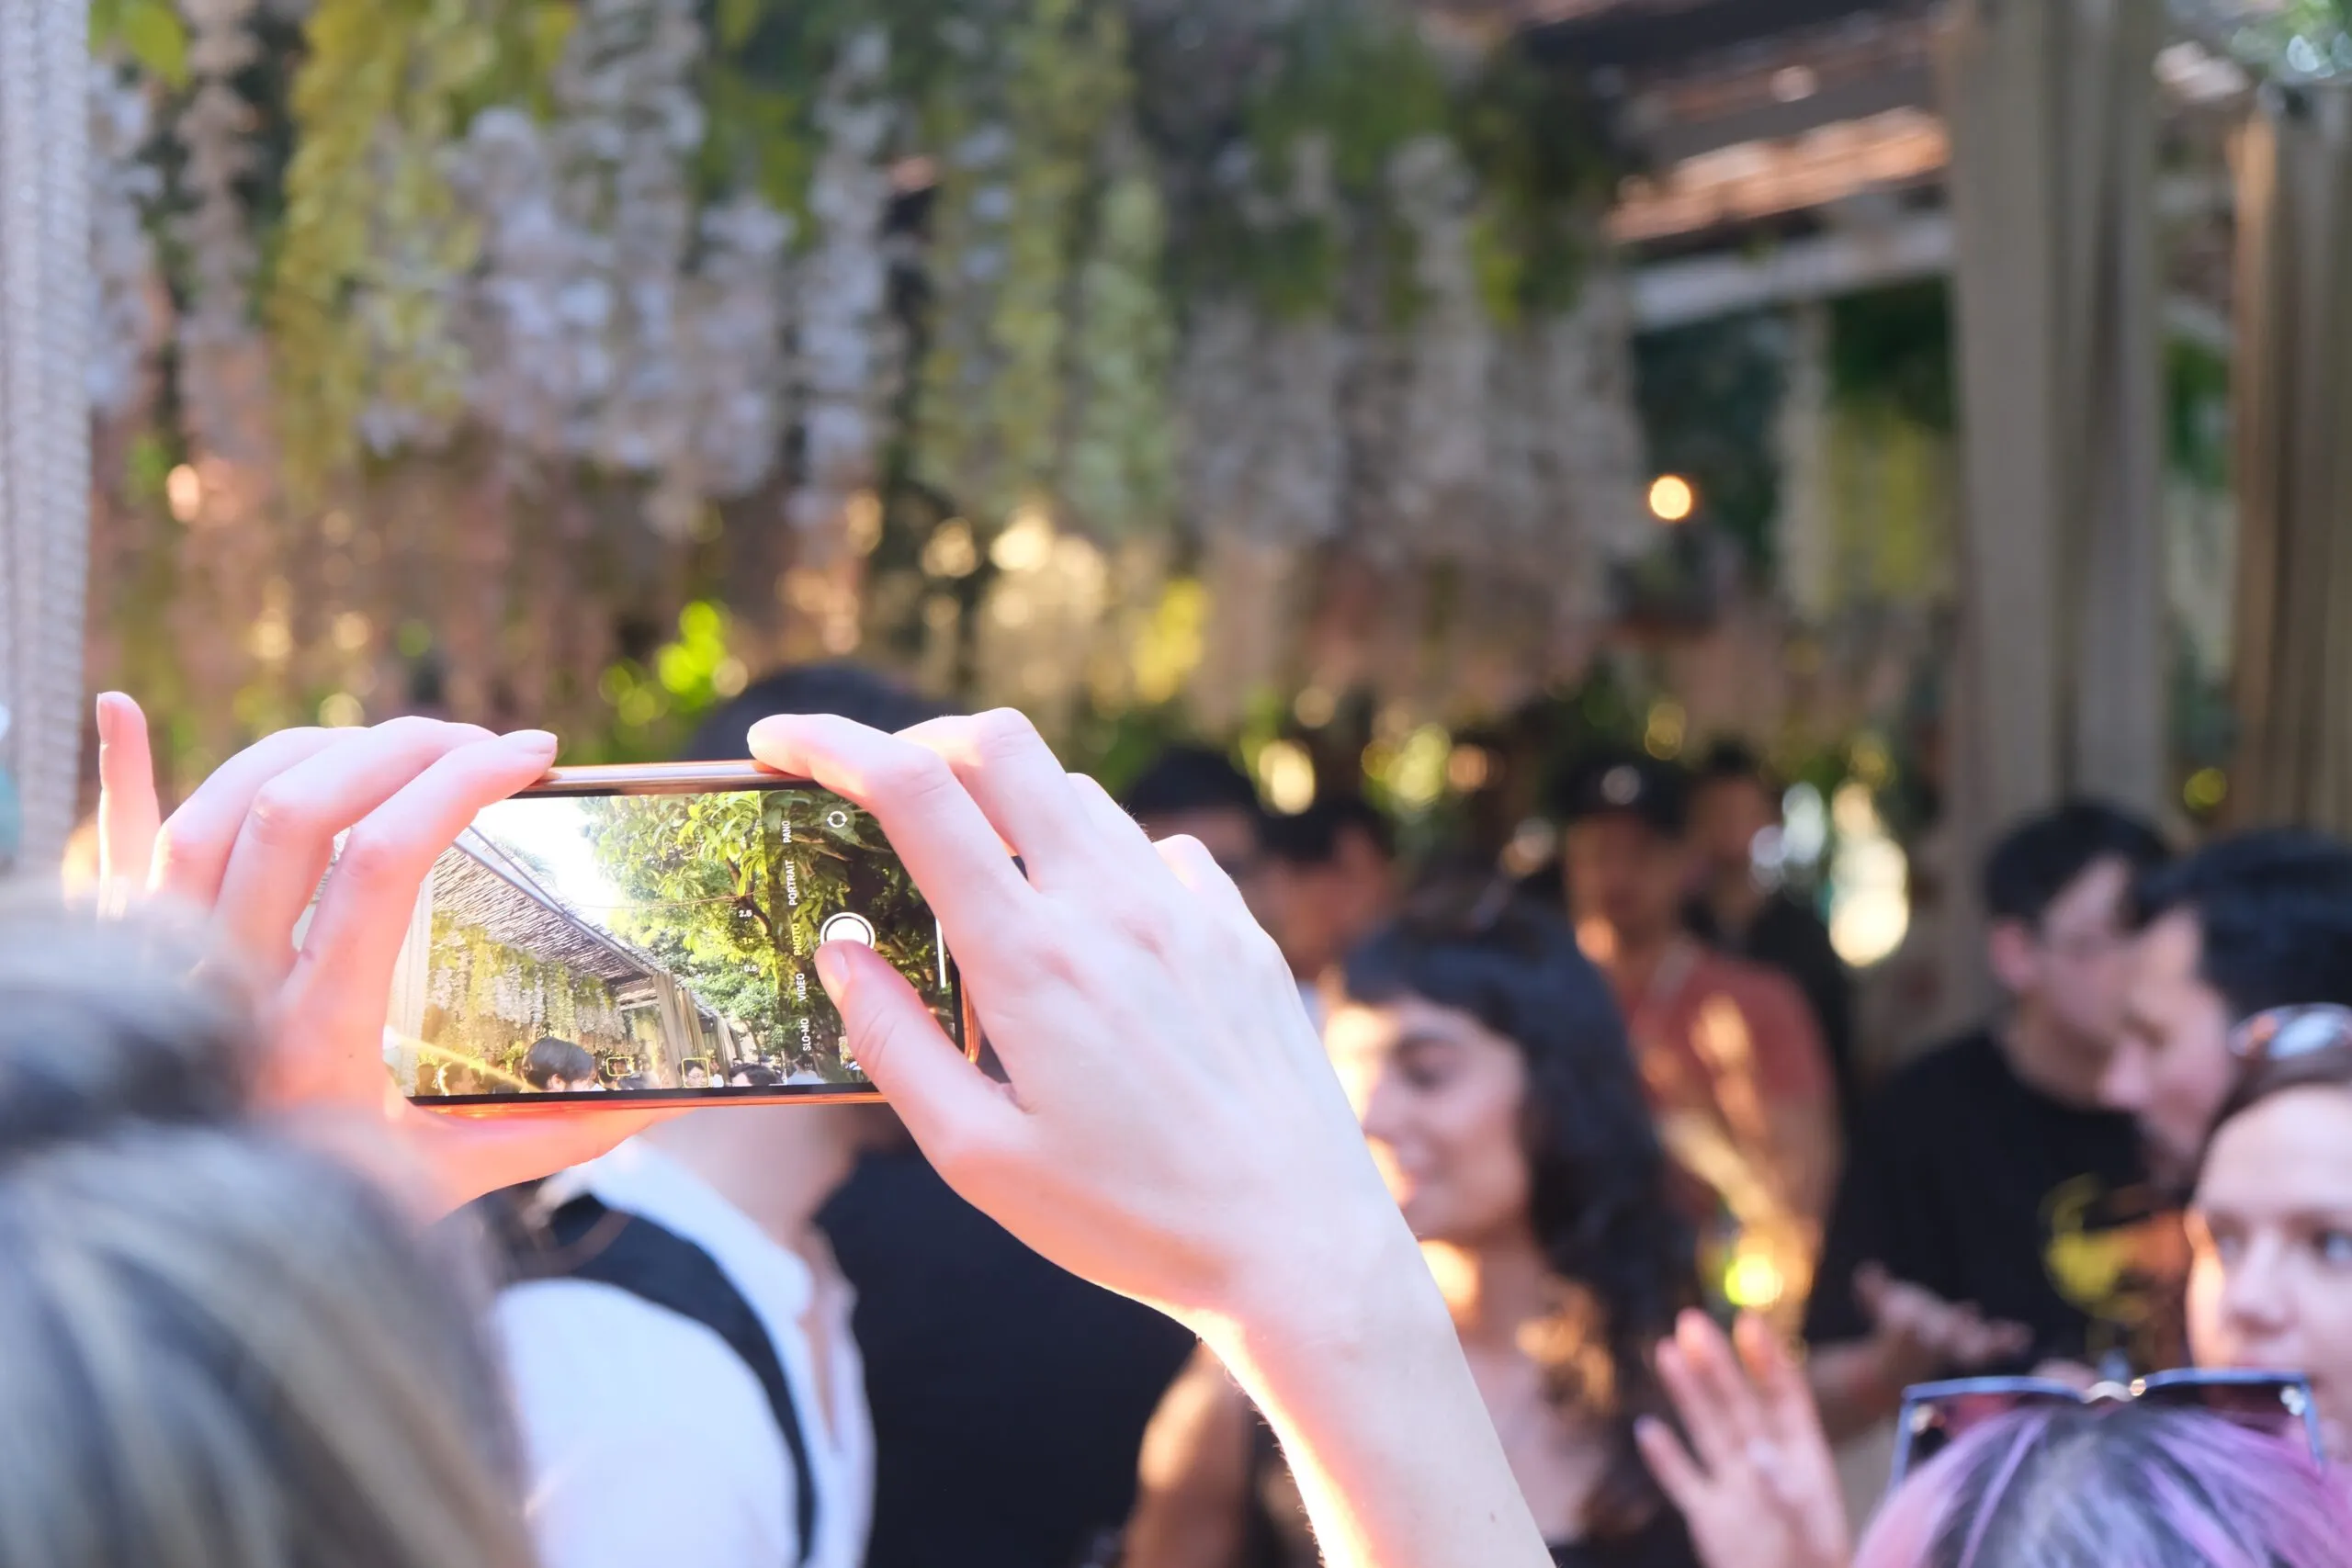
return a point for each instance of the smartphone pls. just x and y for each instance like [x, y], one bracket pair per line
[647, 935]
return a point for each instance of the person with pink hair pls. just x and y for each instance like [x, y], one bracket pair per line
[2104, 1483]
[2114, 1486]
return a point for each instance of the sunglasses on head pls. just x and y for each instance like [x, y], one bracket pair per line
[1937, 1414]
[2283, 1034]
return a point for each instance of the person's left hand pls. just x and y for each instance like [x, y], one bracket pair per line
[246, 852]
[1761, 1490]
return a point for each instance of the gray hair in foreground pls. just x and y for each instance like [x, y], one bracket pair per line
[222, 1350]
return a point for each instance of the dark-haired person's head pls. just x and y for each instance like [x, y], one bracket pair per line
[849, 690]
[1331, 877]
[559, 1066]
[753, 1075]
[1489, 1067]
[2091, 1486]
[2252, 922]
[696, 1075]
[1626, 819]
[2057, 889]
[1733, 804]
[1194, 791]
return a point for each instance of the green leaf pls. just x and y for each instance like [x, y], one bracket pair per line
[737, 20]
[150, 31]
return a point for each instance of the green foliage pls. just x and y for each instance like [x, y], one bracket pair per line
[1708, 395]
[527, 39]
[763, 68]
[1893, 348]
[654, 702]
[1543, 156]
[1040, 90]
[1120, 470]
[371, 226]
[148, 31]
[2297, 41]
[729, 891]
[2196, 407]
[1353, 85]
[1359, 77]
[700, 872]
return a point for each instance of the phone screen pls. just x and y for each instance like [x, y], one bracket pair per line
[651, 943]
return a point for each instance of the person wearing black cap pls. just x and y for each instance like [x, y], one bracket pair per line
[1734, 1064]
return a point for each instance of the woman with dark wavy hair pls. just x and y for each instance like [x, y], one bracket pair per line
[1493, 1076]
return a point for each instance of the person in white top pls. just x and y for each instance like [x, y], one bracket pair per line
[649, 1438]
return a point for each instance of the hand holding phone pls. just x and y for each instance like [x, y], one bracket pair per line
[246, 853]
[648, 936]
[1171, 1127]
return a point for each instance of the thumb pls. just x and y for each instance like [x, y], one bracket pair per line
[895, 1041]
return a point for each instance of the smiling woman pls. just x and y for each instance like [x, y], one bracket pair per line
[1492, 1074]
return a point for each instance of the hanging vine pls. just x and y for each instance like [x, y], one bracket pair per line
[626, 305]
[374, 240]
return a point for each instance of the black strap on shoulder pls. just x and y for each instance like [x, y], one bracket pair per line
[585, 1240]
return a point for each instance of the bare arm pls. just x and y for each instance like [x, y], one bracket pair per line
[1172, 1129]
[1194, 1482]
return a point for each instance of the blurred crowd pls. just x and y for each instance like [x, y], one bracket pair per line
[2079, 1280]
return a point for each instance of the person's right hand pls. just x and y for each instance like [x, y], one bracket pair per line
[1756, 1485]
[1920, 1337]
[1171, 1129]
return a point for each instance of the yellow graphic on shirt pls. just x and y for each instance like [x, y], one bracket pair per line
[2125, 1278]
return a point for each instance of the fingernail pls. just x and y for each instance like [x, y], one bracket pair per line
[106, 719]
[832, 971]
[533, 740]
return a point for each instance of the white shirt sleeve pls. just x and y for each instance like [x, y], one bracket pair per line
[648, 1440]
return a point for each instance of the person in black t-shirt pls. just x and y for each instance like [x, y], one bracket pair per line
[1992, 1215]
[1010, 1397]
[1732, 805]
[2253, 922]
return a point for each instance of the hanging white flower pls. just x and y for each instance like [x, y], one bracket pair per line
[1259, 439]
[506, 999]
[594, 340]
[1117, 471]
[1594, 476]
[537, 314]
[126, 317]
[843, 372]
[733, 332]
[628, 122]
[1445, 354]
[1262, 444]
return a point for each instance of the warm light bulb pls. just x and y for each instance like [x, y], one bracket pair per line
[1753, 1281]
[1286, 774]
[1671, 498]
[184, 490]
